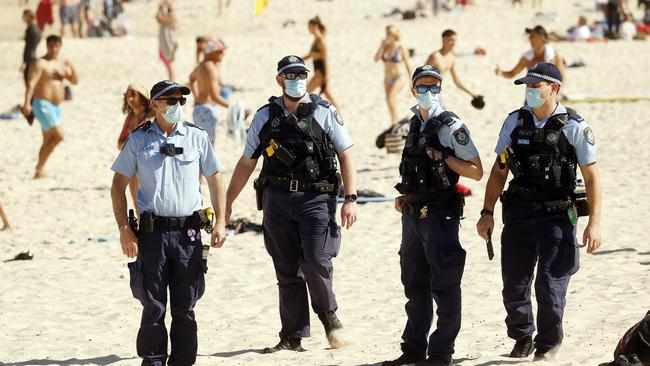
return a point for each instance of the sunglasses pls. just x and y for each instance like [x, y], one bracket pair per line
[421, 89]
[172, 101]
[295, 75]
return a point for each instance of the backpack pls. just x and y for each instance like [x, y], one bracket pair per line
[634, 347]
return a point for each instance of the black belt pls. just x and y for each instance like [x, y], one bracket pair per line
[294, 185]
[166, 223]
[412, 207]
[539, 206]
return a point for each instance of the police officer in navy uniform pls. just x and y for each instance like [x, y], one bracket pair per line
[438, 150]
[541, 144]
[167, 155]
[300, 137]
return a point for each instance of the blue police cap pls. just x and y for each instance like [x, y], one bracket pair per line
[426, 70]
[166, 87]
[291, 63]
[542, 71]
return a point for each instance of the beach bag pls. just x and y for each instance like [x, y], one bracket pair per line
[393, 138]
[634, 347]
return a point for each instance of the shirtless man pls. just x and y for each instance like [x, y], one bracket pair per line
[69, 14]
[445, 61]
[45, 85]
[540, 51]
[205, 83]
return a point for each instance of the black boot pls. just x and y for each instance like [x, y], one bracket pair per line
[545, 354]
[523, 347]
[286, 344]
[436, 361]
[408, 356]
[332, 325]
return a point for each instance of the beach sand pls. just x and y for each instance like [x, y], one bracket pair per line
[72, 305]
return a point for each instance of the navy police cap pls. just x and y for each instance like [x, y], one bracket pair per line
[291, 63]
[166, 87]
[542, 71]
[426, 70]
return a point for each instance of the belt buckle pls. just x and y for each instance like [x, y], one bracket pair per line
[293, 185]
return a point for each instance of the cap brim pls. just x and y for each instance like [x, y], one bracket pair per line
[528, 80]
[294, 69]
[183, 89]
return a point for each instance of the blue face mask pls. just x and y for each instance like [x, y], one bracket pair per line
[534, 97]
[427, 100]
[173, 114]
[295, 88]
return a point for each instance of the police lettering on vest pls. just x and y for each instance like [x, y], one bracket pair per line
[297, 149]
[421, 174]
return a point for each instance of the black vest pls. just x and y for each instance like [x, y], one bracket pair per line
[421, 175]
[304, 138]
[548, 162]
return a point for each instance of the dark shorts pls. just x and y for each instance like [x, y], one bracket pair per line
[69, 14]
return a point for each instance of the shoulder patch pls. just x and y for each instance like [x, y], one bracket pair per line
[461, 136]
[338, 118]
[190, 124]
[589, 136]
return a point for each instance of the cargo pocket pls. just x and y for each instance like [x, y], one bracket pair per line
[136, 280]
[332, 243]
[567, 260]
[449, 268]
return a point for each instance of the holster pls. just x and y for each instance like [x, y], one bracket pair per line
[581, 203]
[259, 185]
[200, 219]
[458, 204]
[147, 222]
[513, 164]
[133, 222]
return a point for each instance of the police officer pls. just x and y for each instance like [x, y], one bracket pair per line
[437, 152]
[541, 144]
[167, 155]
[300, 137]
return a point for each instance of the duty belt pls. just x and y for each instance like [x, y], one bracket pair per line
[294, 185]
[417, 207]
[539, 206]
[150, 222]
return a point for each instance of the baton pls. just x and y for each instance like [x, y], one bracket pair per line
[488, 243]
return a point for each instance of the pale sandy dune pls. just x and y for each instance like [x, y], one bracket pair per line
[72, 304]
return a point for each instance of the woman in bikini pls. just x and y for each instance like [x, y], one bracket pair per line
[318, 53]
[136, 107]
[393, 54]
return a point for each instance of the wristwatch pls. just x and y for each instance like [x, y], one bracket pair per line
[445, 155]
[485, 212]
[351, 197]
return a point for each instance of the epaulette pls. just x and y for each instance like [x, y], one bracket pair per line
[144, 127]
[447, 117]
[575, 116]
[193, 125]
[270, 102]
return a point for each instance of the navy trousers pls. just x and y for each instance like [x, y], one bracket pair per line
[547, 240]
[167, 259]
[432, 263]
[302, 237]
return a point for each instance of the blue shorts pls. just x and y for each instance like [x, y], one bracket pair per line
[206, 116]
[47, 113]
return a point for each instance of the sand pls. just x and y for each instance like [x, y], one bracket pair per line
[72, 305]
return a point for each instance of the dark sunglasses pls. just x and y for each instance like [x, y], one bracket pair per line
[421, 89]
[172, 101]
[295, 75]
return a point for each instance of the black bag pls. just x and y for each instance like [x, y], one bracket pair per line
[635, 342]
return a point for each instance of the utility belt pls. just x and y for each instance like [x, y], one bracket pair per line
[294, 185]
[149, 222]
[551, 206]
[456, 204]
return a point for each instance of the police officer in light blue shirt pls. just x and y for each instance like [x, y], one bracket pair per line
[168, 155]
[301, 138]
[542, 144]
[437, 152]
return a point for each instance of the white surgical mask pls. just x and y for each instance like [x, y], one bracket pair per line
[173, 114]
[295, 88]
[534, 97]
[428, 100]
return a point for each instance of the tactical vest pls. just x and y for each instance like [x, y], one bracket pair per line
[421, 174]
[300, 134]
[548, 161]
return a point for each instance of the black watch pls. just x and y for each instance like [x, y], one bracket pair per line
[445, 155]
[351, 197]
[485, 212]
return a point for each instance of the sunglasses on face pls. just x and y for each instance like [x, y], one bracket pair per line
[172, 101]
[295, 75]
[421, 89]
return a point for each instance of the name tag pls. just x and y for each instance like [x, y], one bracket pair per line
[523, 142]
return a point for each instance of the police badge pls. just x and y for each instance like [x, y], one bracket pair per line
[551, 138]
[302, 124]
[338, 118]
[461, 136]
[275, 122]
[293, 59]
[589, 135]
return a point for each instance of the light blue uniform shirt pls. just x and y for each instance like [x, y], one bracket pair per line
[168, 185]
[325, 116]
[578, 134]
[452, 136]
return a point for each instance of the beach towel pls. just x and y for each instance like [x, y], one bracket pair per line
[44, 14]
[393, 137]
[236, 120]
